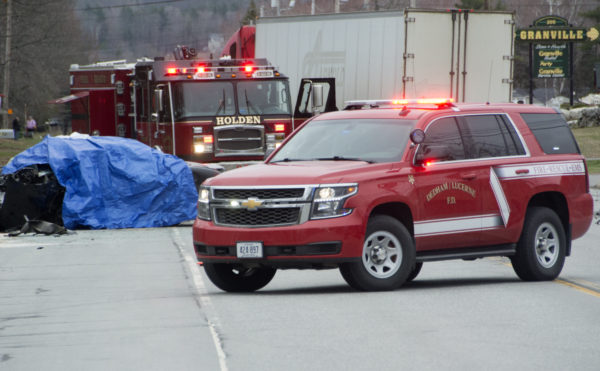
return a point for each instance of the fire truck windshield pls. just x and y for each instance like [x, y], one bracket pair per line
[205, 99]
[370, 140]
[263, 97]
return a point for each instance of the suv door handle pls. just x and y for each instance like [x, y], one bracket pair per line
[468, 176]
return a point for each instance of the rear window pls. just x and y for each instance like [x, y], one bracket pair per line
[552, 132]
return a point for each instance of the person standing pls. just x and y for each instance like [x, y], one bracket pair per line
[31, 126]
[16, 127]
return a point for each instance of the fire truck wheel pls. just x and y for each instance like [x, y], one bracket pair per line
[415, 272]
[233, 278]
[541, 249]
[388, 257]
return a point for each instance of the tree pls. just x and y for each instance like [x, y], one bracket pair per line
[46, 37]
[251, 14]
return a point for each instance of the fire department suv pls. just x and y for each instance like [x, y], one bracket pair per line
[380, 188]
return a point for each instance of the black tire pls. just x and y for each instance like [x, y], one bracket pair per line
[388, 257]
[415, 272]
[541, 249]
[233, 278]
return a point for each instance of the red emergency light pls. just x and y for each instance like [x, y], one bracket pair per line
[279, 128]
[171, 71]
[438, 101]
[248, 68]
[200, 70]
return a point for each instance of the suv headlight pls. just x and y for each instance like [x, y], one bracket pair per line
[204, 203]
[329, 200]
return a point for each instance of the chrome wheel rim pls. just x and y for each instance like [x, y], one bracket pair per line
[547, 245]
[382, 254]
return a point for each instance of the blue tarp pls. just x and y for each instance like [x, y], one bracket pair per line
[114, 182]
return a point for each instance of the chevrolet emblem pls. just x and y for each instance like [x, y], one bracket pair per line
[252, 203]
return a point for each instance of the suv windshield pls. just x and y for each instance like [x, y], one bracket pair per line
[193, 99]
[263, 97]
[371, 140]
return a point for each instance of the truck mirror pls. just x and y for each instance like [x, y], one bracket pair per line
[317, 97]
[158, 100]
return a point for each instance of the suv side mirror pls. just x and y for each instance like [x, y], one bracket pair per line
[433, 153]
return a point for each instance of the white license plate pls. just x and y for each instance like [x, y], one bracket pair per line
[249, 249]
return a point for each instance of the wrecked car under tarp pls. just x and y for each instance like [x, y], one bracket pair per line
[109, 182]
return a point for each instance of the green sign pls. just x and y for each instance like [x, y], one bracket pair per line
[553, 29]
[551, 60]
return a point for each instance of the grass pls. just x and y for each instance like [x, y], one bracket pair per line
[10, 147]
[589, 142]
[588, 139]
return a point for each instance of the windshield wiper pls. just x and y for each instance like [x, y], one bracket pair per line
[287, 159]
[249, 104]
[342, 158]
[221, 105]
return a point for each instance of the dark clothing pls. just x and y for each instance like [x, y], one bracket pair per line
[16, 128]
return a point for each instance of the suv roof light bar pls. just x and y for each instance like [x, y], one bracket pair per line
[400, 103]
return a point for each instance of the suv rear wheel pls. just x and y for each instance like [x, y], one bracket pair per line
[233, 278]
[541, 249]
[388, 257]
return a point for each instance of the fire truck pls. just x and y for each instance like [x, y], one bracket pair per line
[227, 111]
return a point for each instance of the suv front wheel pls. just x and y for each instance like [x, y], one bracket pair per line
[388, 257]
[541, 249]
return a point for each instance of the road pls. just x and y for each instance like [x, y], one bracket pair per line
[136, 300]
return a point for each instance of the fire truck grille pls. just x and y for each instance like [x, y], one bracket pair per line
[261, 194]
[239, 139]
[260, 217]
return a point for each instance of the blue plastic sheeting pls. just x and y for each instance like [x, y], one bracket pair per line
[114, 182]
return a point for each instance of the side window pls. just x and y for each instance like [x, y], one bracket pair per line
[489, 136]
[442, 142]
[552, 132]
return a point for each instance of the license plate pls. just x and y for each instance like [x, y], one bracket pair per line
[249, 250]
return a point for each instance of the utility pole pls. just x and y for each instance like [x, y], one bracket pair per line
[6, 85]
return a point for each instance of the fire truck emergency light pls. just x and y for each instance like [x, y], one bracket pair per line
[279, 127]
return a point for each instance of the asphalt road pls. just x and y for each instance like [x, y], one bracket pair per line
[136, 300]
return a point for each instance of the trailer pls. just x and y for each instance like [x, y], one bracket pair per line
[416, 53]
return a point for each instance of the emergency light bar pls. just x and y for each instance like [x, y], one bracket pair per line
[401, 103]
[200, 72]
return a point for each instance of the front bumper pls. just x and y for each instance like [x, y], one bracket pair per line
[312, 244]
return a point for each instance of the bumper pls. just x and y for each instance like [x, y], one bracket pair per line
[312, 244]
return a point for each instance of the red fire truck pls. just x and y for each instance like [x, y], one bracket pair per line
[225, 110]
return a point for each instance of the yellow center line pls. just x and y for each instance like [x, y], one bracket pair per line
[592, 290]
[579, 288]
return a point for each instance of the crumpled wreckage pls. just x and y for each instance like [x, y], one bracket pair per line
[85, 182]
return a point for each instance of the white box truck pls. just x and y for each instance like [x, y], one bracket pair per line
[416, 53]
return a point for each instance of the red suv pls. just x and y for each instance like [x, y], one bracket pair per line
[380, 188]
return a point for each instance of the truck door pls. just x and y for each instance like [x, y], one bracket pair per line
[306, 106]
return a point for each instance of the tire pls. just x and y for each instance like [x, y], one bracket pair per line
[388, 257]
[415, 272]
[233, 278]
[541, 249]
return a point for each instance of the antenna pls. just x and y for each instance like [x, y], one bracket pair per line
[490, 80]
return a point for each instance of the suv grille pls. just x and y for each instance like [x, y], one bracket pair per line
[254, 207]
[260, 217]
[262, 194]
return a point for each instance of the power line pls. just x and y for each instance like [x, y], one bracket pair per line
[130, 5]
